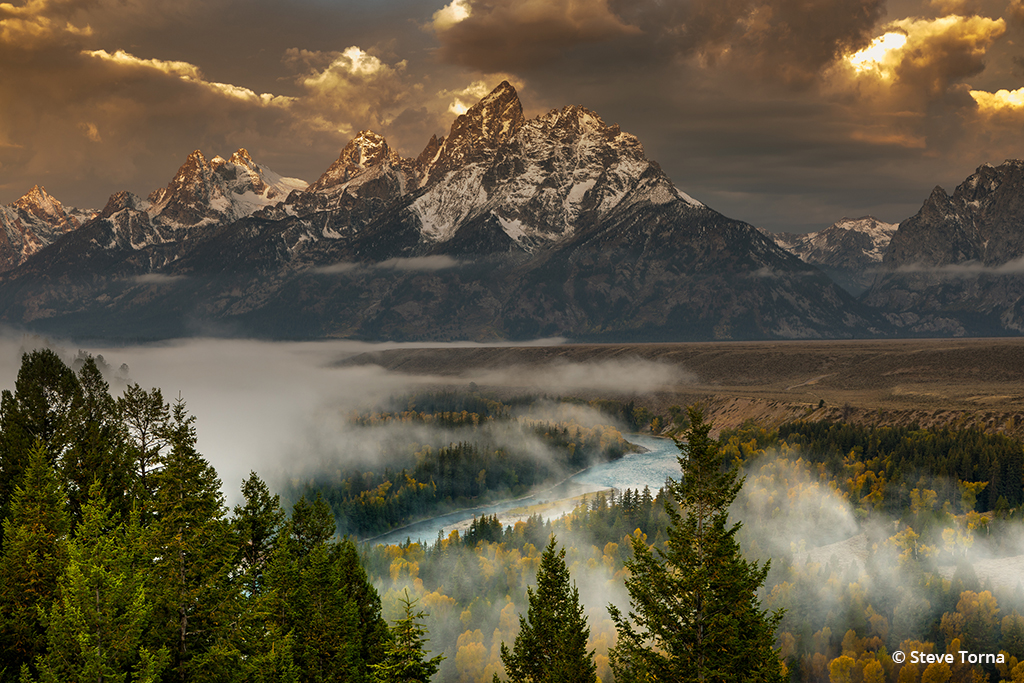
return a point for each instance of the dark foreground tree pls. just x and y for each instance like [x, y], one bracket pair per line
[34, 555]
[694, 612]
[552, 643]
[96, 629]
[404, 657]
[322, 597]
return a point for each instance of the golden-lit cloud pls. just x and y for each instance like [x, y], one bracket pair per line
[38, 22]
[183, 70]
[351, 89]
[927, 55]
[189, 73]
[1015, 10]
[788, 41]
[451, 14]
[882, 56]
[1001, 101]
[888, 138]
[92, 131]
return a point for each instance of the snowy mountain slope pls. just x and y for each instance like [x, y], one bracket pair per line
[218, 191]
[848, 251]
[32, 222]
[957, 266]
[504, 228]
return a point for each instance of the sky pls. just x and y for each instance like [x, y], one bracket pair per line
[787, 114]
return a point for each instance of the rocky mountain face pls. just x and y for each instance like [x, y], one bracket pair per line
[850, 251]
[32, 222]
[957, 266]
[506, 228]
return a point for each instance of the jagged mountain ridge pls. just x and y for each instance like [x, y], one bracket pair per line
[849, 251]
[957, 266]
[504, 228]
[33, 222]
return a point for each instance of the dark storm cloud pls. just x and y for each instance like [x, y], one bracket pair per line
[494, 35]
[788, 39]
[87, 113]
[752, 106]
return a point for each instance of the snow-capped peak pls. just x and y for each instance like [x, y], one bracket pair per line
[868, 237]
[40, 204]
[367, 151]
[218, 190]
[535, 178]
[32, 222]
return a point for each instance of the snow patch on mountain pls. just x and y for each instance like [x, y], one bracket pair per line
[218, 191]
[33, 222]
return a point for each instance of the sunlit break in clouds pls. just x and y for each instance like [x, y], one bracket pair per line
[788, 114]
[999, 101]
[876, 56]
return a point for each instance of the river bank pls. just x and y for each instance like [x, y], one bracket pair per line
[633, 471]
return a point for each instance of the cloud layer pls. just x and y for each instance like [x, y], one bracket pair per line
[786, 113]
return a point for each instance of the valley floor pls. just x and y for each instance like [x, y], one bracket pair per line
[932, 382]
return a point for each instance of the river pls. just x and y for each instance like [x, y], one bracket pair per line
[632, 471]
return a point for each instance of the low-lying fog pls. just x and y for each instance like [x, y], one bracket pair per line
[280, 407]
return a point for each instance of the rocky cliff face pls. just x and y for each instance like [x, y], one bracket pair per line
[33, 222]
[957, 266]
[504, 228]
[850, 251]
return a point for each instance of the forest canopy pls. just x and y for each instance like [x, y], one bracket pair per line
[120, 559]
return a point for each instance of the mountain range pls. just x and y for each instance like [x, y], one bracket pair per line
[506, 228]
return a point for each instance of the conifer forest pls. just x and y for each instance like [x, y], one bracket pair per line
[810, 551]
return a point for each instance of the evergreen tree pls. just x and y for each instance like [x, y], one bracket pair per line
[33, 558]
[404, 657]
[98, 453]
[196, 603]
[324, 600]
[146, 419]
[43, 408]
[552, 643]
[95, 630]
[695, 615]
[257, 525]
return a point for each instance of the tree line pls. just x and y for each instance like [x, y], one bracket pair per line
[119, 560]
[476, 465]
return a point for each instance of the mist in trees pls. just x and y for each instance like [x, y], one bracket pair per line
[694, 608]
[121, 561]
[551, 646]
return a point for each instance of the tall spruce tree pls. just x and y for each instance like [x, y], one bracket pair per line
[146, 419]
[695, 614]
[96, 629]
[323, 599]
[34, 556]
[257, 525]
[44, 407]
[196, 601]
[98, 453]
[552, 643]
[404, 658]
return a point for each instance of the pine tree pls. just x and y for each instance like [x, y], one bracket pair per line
[695, 615]
[257, 525]
[404, 657]
[34, 555]
[196, 603]
[43, 409]
[146, 419]
[99, 450]
[95, 631]
[552, 643]
[324, 600]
